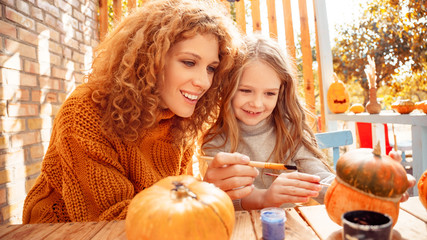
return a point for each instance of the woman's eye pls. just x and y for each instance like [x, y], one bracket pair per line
[211, 69]
[188, 63]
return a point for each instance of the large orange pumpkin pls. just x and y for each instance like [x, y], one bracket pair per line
[180, 207]
[366, 180]
[338, 99]
[422, 189]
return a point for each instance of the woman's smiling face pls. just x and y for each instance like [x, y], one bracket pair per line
[189, 70]
[257, 93]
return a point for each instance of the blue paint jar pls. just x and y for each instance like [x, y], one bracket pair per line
[273, 223]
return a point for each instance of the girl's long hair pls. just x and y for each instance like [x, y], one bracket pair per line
[125, 71]
[289, 115]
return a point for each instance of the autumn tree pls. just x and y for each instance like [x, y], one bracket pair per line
[394, 32]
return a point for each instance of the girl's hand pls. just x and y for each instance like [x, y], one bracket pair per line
[292, 187]
[412, 181]
[231, 173]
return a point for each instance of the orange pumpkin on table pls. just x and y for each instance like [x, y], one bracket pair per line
[180, 207]
[422, 189]
[338, 99]
[366, 180]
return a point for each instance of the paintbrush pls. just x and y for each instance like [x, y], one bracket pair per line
[278, 166]
[276, 175]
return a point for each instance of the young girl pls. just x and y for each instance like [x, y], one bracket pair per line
[262, 118]
[155, 81]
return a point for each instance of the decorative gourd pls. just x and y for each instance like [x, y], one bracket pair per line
[338, 99]
[403, 106]
[421, 106]
[357, 108]
[422, 189]
[180, 207]
[366, 180]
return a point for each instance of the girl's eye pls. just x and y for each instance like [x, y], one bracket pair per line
[188, 63]
[271, 94]
[244, 90]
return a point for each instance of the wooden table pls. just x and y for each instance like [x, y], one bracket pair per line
[303, 223]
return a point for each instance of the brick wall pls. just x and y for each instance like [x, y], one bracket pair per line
[45, 50]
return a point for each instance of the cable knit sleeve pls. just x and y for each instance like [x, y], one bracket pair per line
[94, 185]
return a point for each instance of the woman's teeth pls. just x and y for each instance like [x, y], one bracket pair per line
[190, 96]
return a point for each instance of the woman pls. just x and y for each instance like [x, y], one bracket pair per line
[155, 81]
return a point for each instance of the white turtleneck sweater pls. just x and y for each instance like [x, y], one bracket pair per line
[257, 142]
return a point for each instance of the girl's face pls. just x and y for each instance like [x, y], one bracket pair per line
[257, 94]
[189, 70]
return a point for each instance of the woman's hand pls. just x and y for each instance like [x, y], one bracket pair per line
[411, 180]
[292, 187]
[231, 173]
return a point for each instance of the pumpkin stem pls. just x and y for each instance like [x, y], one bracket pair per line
[377, 149]
[180, 191]
[335, 77]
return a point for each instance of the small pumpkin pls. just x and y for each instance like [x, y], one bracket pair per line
[403, 106]
[421, 106]
[366, 180]
[422, 189]
[337, 96]
[357, 108]
[180, 207]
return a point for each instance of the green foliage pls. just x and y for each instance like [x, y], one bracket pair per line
[393, 32]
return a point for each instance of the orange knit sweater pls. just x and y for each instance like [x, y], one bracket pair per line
[89, 176]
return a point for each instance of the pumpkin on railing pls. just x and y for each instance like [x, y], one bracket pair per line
[338, 98]
[403, 106]
[357, 108]
[422, 106]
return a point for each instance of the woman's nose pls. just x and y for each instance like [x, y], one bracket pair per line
[203, 80]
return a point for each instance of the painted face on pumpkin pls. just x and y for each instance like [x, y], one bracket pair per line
[338, 99]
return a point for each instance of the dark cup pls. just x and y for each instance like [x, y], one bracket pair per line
[366, 225]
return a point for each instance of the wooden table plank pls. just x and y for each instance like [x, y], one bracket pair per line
[410, 227]
[6, 229]
[76, 230]
[318, 219]
[33, 231]
[257, 225]
[243, 228]
[415, 207]
[114, 230]
[295, 227]
[407, 226]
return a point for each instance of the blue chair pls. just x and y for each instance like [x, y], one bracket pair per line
[334, 140]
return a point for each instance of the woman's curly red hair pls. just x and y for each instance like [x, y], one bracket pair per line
[126, 65]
